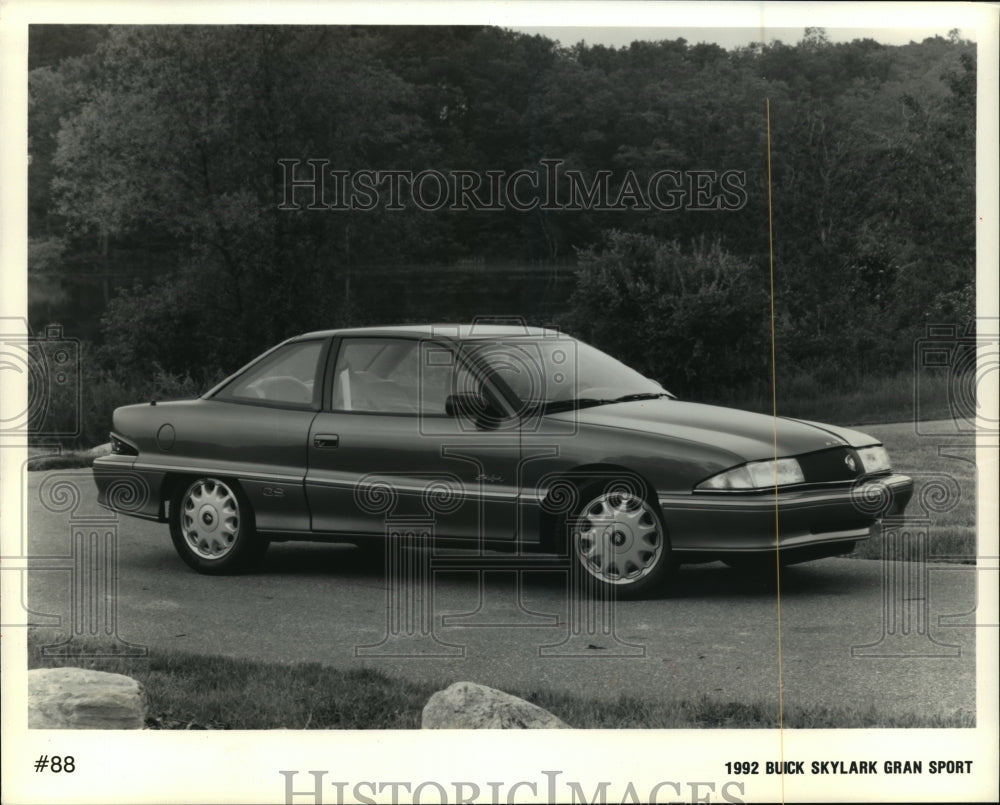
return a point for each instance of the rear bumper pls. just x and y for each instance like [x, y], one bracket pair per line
[123, 489]
[819, 521]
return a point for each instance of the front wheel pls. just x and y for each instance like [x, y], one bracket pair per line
[212, 527]
[619, 541]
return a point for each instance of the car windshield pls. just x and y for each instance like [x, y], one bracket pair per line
[559, 369]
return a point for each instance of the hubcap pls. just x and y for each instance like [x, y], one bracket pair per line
[210, 519]
[618, 538]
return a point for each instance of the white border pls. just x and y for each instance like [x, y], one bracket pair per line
[242, 767]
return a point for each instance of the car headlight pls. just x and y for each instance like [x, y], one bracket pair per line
[757, 475]
[874, 459]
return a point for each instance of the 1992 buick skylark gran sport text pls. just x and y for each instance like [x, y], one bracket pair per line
[503, 437]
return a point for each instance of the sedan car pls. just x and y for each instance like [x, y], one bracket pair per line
[492, 437]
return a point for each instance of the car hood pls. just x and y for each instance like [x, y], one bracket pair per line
[748, 435]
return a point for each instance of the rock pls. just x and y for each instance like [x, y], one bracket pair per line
[78, 699]
[468, 706]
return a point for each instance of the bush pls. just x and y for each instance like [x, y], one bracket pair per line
[103, 391]
[105, 388]
[159, 324]
[697, 322]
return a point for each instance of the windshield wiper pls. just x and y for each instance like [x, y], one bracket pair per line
[568, 405]
[644, 395]
[556, 406]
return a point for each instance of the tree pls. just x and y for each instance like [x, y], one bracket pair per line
[160, 150]
[181, 138]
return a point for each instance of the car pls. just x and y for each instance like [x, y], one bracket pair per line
[495, 437]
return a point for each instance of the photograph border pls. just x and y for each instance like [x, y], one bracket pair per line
[242, 766]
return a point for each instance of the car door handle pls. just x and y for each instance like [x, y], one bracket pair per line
[322, 440]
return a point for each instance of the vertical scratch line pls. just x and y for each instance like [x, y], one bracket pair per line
[774, 420]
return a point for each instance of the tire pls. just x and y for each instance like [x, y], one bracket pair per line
[618, 541]
[212, 527]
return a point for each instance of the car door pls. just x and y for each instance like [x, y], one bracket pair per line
[386, 449]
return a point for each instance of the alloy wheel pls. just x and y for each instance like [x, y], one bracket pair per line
[618, 537]
[210, 519]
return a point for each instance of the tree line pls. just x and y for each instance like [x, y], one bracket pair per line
[159, 170]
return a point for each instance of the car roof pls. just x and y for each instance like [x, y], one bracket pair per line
[444, 331]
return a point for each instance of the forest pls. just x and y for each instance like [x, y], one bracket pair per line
[171, 230]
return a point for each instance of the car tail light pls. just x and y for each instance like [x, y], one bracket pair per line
[122, 448]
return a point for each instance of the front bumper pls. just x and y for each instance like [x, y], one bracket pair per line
[793, 520]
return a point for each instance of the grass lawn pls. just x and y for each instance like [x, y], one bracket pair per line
[189, 691]
[853, 401]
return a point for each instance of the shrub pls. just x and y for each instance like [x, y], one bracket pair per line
[696, 321]
[104, 390]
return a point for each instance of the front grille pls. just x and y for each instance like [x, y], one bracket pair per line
[831, 465]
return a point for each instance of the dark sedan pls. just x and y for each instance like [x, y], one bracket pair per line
[497, 437]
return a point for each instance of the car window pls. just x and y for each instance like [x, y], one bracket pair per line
[392, 376]
[287, 376]
[553, 369]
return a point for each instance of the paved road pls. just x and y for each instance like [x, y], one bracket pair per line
[716, 634]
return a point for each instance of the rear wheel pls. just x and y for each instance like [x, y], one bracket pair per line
[212, 527]
[619, 542]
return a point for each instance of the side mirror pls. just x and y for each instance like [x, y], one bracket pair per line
[480, 410]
